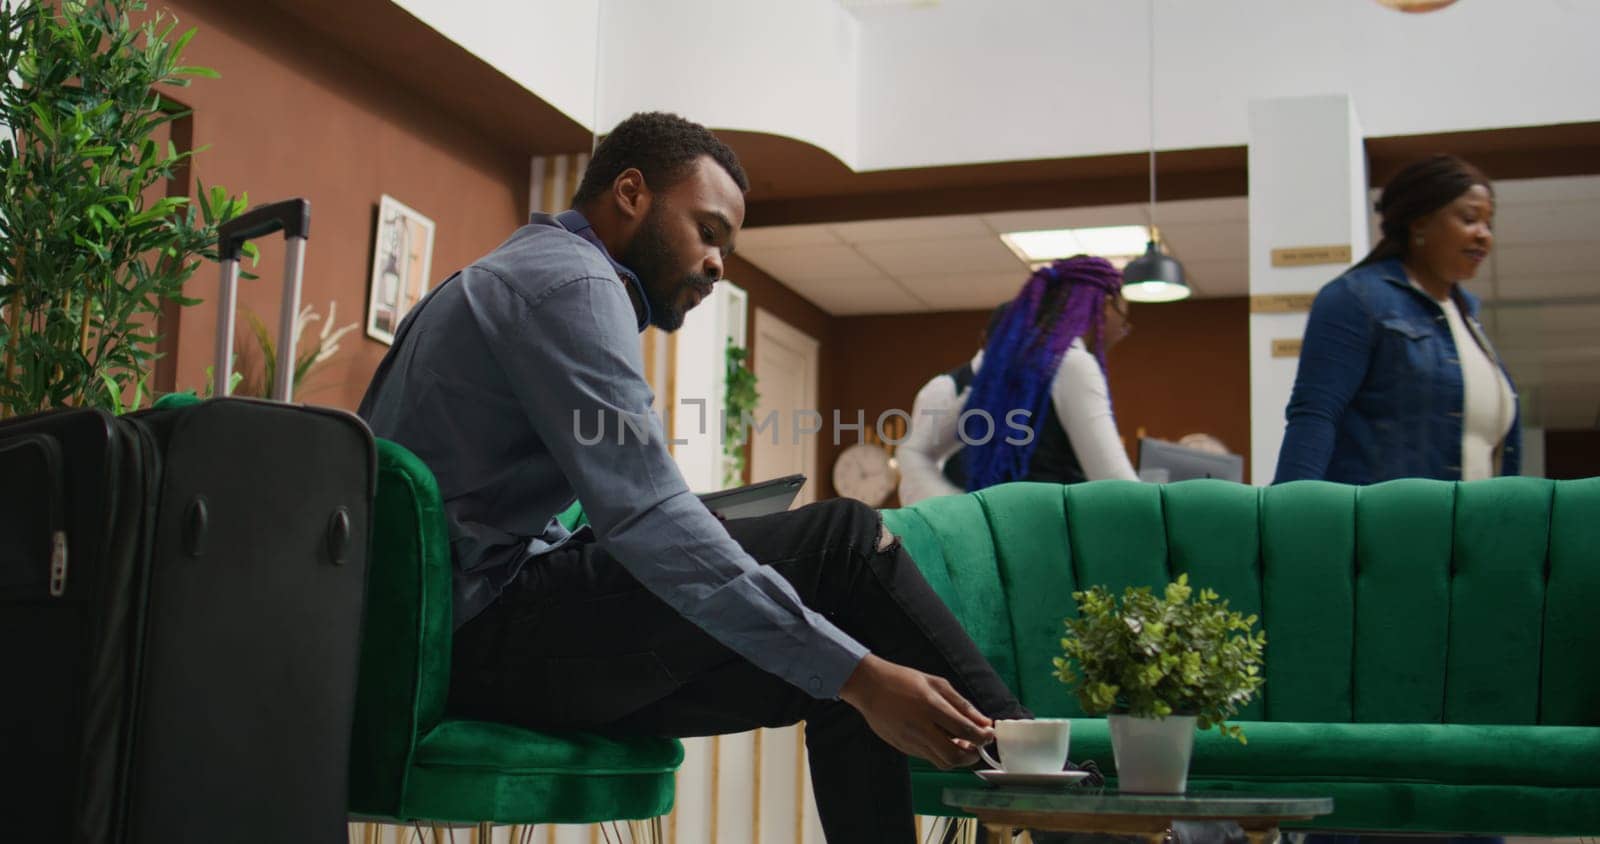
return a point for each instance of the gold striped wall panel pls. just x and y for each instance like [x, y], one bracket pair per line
[552, 179]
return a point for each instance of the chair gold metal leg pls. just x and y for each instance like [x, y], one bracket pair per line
[484, 834]
[648, 831]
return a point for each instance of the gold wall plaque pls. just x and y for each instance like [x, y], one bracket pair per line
[1286, 348]
[1306, 256]
[1281, 303]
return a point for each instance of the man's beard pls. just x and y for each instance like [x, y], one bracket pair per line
[652, 260]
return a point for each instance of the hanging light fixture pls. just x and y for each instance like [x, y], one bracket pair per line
[1154, 276]
[1416, 6]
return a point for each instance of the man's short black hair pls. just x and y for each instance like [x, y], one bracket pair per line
[663, 146]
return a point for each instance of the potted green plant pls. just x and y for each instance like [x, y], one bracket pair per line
[1160, 666]
[89, 249]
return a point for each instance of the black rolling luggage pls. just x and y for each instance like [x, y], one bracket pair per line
[181, 595]
[76, 499]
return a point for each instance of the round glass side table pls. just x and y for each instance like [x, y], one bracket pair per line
[1150, 815]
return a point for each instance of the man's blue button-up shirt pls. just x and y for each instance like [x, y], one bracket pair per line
[502, 378]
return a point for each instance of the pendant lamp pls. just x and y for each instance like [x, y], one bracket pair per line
[1154, 276]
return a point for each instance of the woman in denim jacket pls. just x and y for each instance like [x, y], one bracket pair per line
[1397, 378]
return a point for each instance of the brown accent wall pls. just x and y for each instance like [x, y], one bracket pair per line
[294, 115]
[1185, 368]
[880, 362]
[1572, 454]
[795, 182]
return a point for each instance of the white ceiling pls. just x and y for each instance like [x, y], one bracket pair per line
[958, 263]
[1541, 287]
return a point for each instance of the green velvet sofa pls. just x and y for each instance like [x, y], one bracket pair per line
[1433, 656]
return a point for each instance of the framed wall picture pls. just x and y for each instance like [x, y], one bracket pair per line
[402, 263]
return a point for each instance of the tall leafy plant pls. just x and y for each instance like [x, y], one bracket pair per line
[86, 261]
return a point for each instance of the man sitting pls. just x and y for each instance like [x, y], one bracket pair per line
[662, 620]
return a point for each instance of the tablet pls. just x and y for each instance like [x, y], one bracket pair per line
[760, 499]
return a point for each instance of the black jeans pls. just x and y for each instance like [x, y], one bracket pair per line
[576, 643]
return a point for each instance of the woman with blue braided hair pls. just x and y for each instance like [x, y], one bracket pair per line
[1040, 407]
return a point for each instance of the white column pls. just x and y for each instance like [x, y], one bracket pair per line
[1308, 188]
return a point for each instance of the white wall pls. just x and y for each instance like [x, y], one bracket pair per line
[980, 80]
[1002, 80]
[547, 46]
[788, 67]
[988, 80]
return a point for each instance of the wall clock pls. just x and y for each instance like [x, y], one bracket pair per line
[866, 472]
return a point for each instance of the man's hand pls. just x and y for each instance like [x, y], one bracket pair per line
[918, 714]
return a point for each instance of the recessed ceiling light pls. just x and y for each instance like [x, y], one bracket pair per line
[1117, 244]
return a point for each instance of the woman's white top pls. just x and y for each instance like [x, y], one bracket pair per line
[1082, 400]
[1488, 407]
[931, 439]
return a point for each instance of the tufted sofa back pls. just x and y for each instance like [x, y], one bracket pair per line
[1412, 601]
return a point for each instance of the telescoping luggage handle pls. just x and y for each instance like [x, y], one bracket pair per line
[293, 217]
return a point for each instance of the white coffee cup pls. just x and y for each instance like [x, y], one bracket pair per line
[1030, 746]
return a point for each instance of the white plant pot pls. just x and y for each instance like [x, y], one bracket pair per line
[1152, 753]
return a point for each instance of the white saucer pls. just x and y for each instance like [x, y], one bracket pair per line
[995, 777]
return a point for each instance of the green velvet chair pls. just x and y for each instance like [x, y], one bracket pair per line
[1433, 655]
[410, 762]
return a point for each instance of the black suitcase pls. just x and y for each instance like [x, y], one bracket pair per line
[76, 517]
[181, 595]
